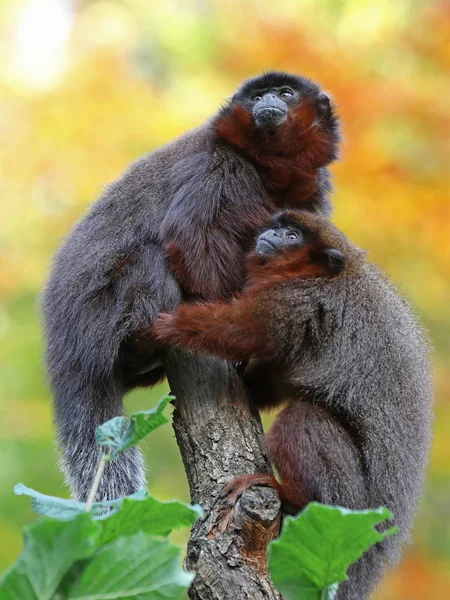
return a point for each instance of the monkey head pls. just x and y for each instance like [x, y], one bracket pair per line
[281, 110]
[271, 97]
[278, 239]
[303, 244]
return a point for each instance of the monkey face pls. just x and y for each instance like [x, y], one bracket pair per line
[314, 247]
[273, 241]
[270, 98]
[284, 117]
[270, 110]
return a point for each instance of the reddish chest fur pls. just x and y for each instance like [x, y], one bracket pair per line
[298, 264]
[289, 158]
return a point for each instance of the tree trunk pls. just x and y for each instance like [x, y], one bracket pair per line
[219, 437]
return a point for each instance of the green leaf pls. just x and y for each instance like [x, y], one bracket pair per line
[65, 510]
[109, 435]
[98, 508]
[50, 549]
[117, 437]
[316, 548]
[51, 506]
[70, 579]
[139, 566]
[143, 423]
[149, 516]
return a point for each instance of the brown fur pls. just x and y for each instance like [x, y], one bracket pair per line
[294, 264]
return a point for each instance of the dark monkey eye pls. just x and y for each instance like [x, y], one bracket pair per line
[285, 93]
[292, 235]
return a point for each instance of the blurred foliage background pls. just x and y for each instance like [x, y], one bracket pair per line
[88, 86]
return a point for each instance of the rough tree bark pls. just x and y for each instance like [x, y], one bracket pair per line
[219, 437]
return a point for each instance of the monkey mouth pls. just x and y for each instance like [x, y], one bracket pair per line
[270, 116]
[270, 113]
[270, 110]
[265, 248]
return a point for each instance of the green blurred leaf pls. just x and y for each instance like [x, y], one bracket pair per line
[109, 435]
[149, 516]
[143, 423]
[139, 566]
[65, 510]
[316, 548]
[116, 504]
[114, 435]
[50, 549]
[61, 509]
[51, 506]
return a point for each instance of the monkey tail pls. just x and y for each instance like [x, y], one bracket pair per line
[90, 404]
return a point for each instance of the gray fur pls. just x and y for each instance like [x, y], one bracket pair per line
[353, 344]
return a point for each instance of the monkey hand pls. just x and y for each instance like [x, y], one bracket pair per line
[164, 328]
[182, 328]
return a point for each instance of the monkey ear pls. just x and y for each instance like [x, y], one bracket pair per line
[334, 260]
[323, 106]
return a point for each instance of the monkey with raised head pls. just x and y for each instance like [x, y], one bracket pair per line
[325, 331]
[200, 200]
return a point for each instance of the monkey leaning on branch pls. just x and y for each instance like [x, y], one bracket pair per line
[326, 332]
[201, 199]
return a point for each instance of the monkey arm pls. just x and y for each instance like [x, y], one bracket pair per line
[247, 328]
[228, 331]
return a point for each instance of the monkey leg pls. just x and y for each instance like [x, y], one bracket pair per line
[317, 456]
[316, 459]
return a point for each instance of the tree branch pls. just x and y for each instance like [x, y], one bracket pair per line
[219, 437]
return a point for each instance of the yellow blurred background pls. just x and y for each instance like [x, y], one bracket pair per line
[88, 86]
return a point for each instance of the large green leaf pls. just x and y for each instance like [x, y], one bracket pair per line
[140, 567]
[149, 516]
[316, 548]
[138, 512]
[58, 555]
[50, 549]
[117, 436]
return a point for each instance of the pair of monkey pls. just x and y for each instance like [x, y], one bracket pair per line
[315, 322]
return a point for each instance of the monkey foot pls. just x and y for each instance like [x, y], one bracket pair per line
[233, 492]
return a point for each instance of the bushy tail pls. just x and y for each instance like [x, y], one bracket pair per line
[79, 409]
